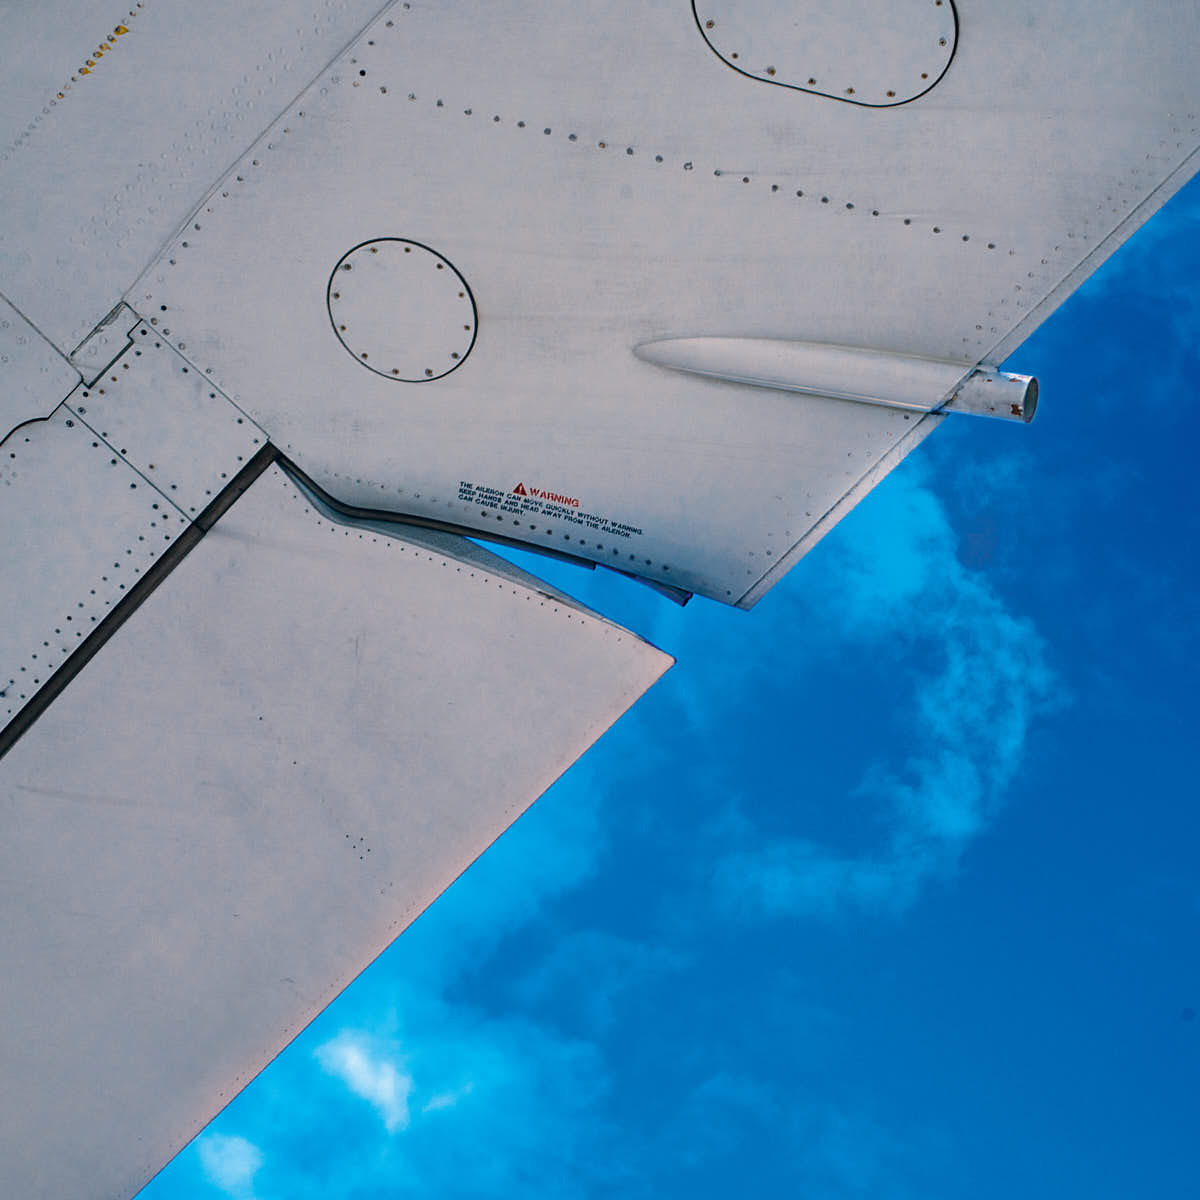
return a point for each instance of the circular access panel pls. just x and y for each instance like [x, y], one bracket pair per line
[402, 310]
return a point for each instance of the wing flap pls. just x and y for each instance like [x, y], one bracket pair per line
[284, 755]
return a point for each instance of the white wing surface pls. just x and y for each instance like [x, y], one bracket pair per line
[513, 200]
[283, 756]
[660, 286]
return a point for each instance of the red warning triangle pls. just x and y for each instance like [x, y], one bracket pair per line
[519, 490]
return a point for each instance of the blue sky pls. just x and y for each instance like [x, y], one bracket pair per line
[888, 889]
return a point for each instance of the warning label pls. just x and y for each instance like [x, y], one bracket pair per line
[524, 499]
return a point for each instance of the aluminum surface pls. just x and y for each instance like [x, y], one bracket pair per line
[104, 155]
[934, 229]
[80, 527]
[876, 52]
[169, 422]
[298, 690]
[34, 377]
[298, 741]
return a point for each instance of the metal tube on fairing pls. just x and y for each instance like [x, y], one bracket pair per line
[854, 373]
[991, 393]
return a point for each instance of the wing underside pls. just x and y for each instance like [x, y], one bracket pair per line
[293, 745]
[276, 282]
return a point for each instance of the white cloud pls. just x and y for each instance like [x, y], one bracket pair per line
[447, 1099]
[895, 584]
[366, 1068]
[230, 1162]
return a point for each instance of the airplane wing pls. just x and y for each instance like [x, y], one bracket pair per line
[295, 298]
[277, 734]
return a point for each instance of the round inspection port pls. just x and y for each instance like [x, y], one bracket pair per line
[401, 310]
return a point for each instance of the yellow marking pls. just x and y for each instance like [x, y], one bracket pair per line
[101, 50]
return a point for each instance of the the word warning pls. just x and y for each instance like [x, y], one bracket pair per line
[528, 500]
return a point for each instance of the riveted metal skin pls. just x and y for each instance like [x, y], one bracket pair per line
[154, 881]
[877, 53]
[738, 211]
[304, 731]
[80, 529]
[401, 310]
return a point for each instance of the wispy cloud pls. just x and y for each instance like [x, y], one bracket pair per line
[443, 1100]
[372, 1073]
[467, 1101]
[230, 1162]
[979, 678]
